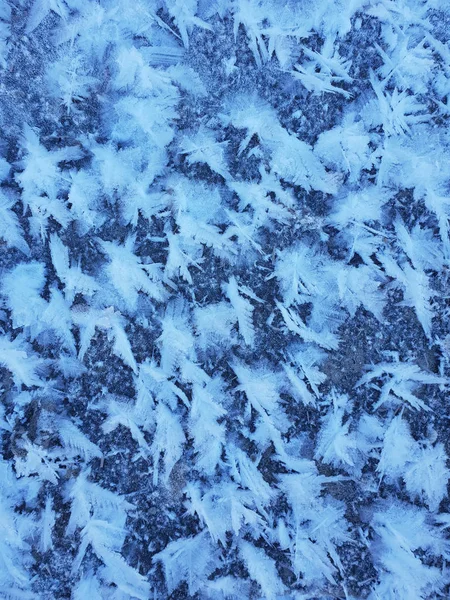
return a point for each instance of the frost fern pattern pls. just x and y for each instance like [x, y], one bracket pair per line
[224, 316]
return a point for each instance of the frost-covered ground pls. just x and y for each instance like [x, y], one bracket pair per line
[224, 310]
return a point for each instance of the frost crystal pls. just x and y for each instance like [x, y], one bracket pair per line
[224, 299]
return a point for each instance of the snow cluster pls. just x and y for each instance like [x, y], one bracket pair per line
[224, 286]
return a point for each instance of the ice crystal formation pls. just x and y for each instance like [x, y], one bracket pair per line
[224, 299]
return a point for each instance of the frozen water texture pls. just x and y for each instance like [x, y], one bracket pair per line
[224, 286]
